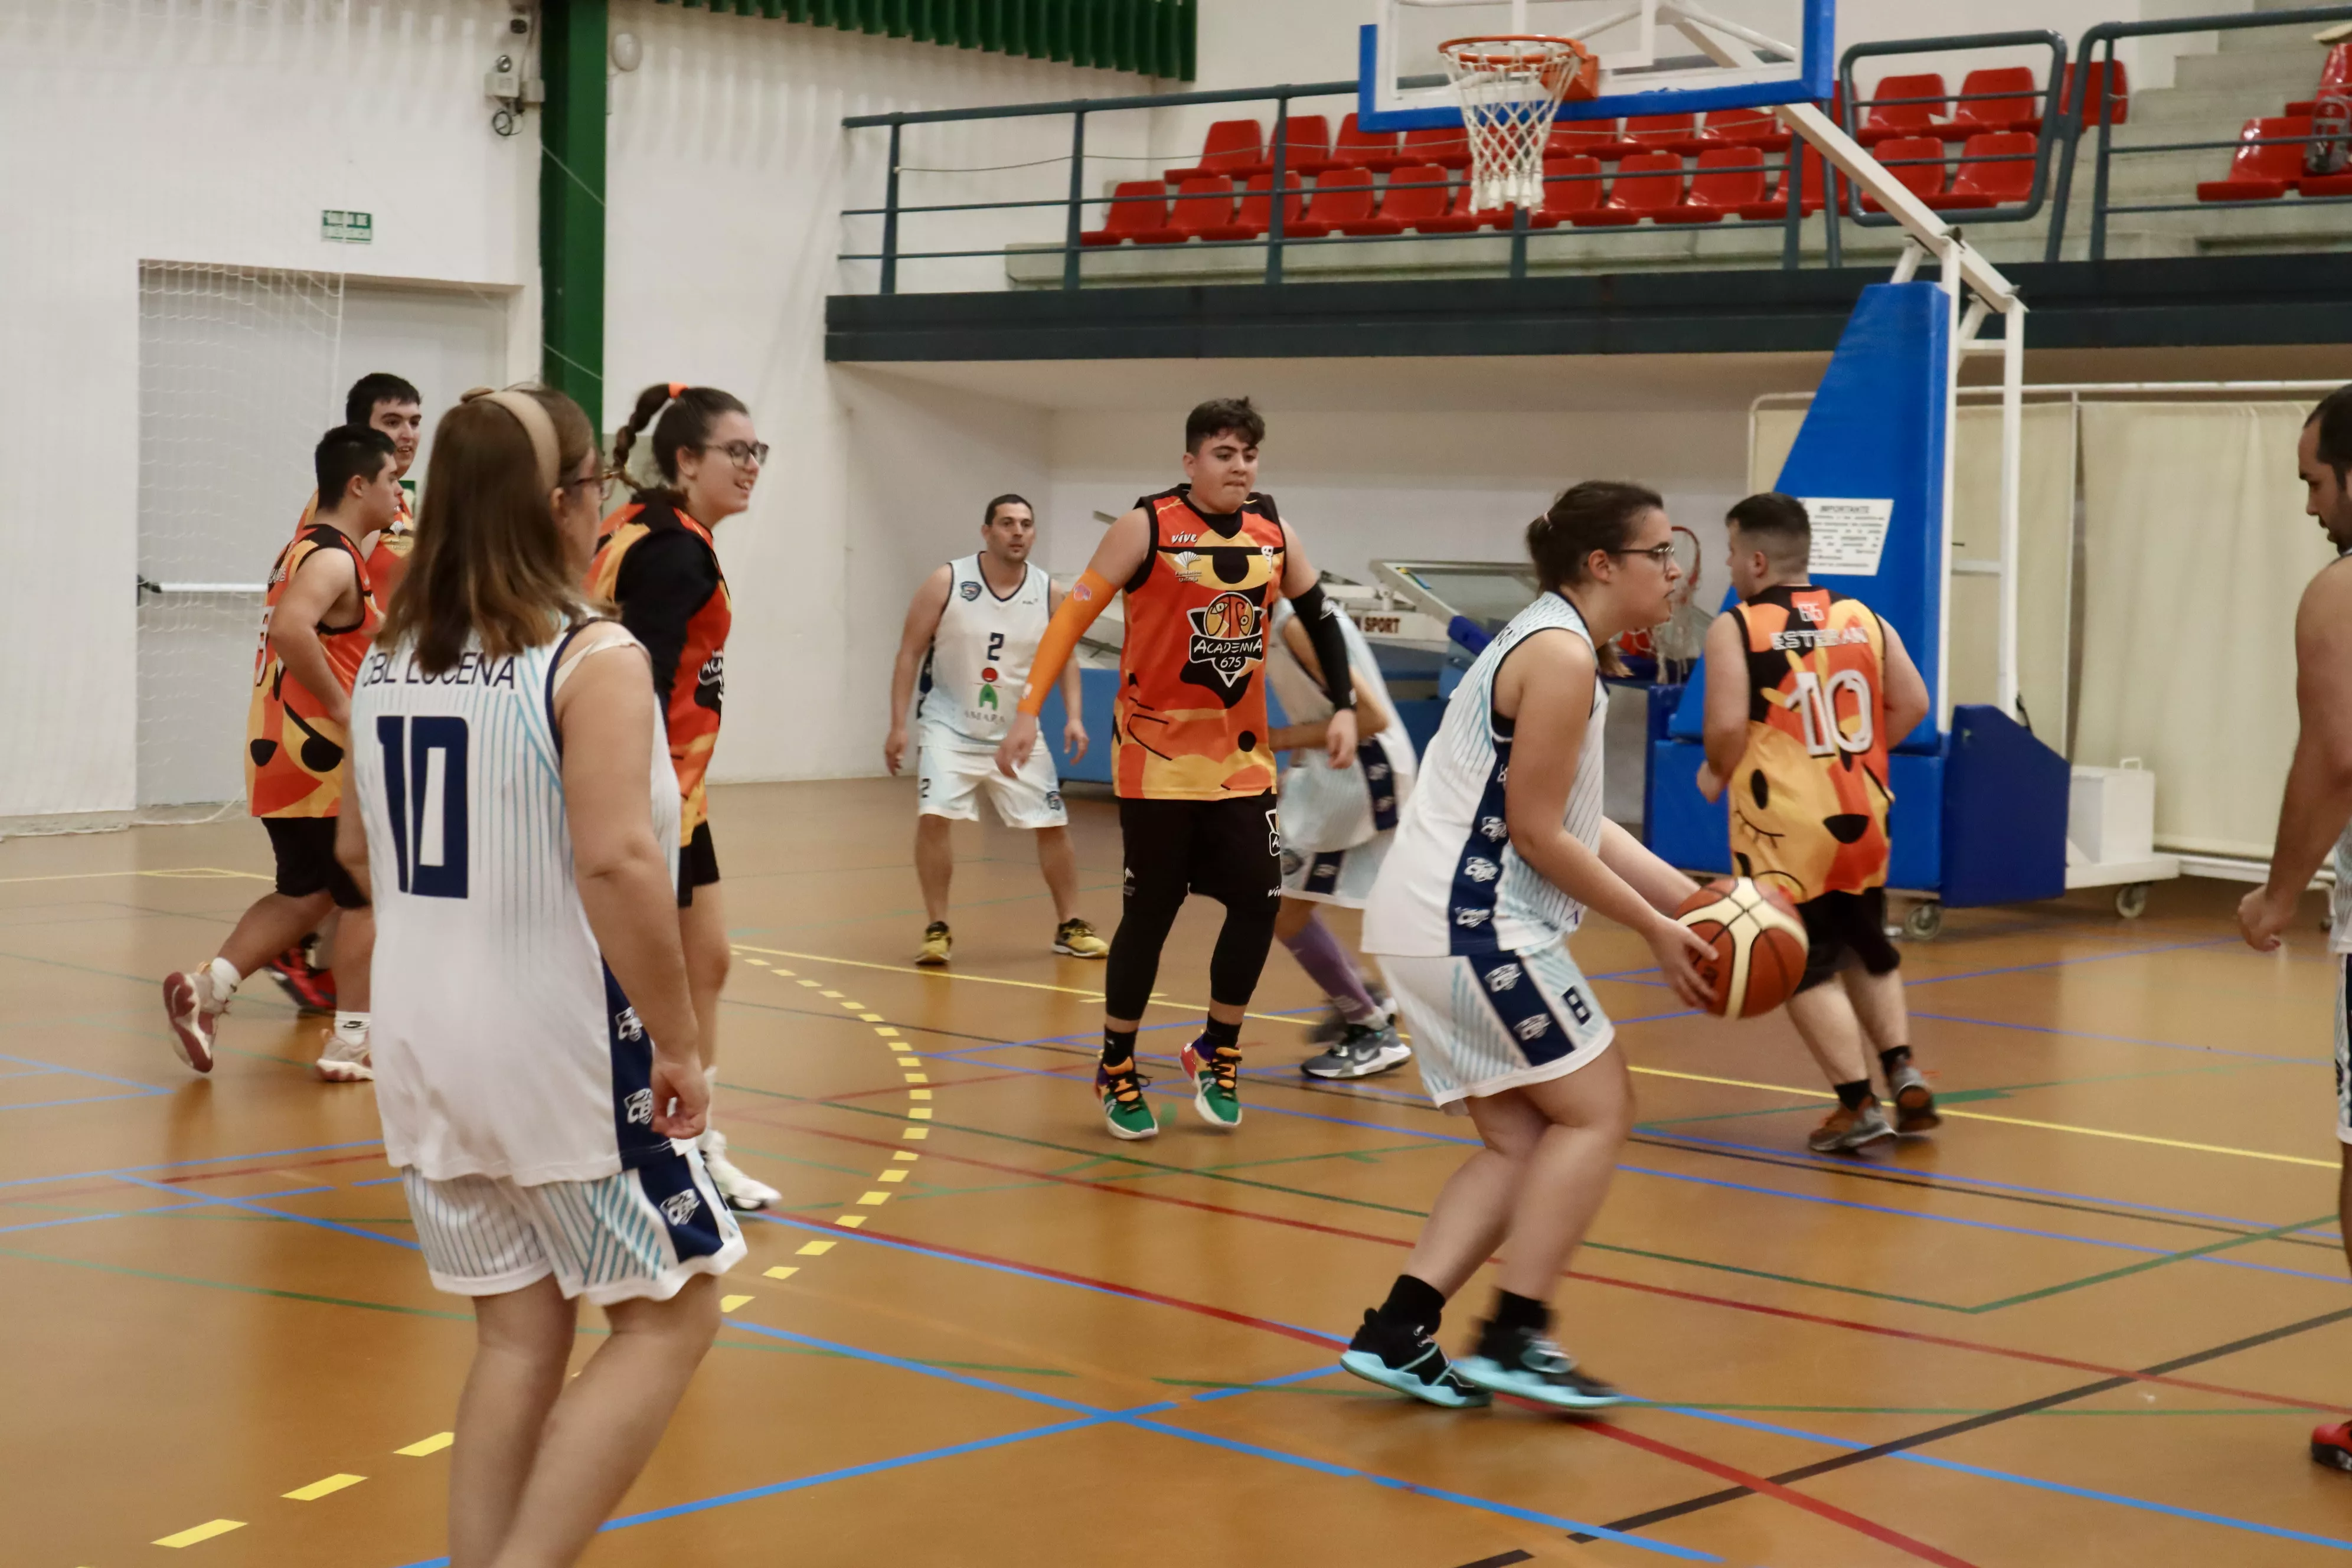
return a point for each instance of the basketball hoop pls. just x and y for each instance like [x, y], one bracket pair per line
[1509, 87]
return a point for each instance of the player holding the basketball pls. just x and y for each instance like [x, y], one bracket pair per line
[1338, 824]
[319, 621]
[1193, 766]
[2317, 811]
[1806, 690]
[973, 629]
[659, 565]
[1502, 849]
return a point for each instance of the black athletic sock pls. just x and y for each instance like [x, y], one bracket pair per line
[1213, 1034]
[1515, 1315]
[1894, 1061]
[1119, 1046]
[1413, 1306]
[1855, 1095]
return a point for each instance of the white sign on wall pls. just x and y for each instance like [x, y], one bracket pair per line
[347, 228]
[1849, 532]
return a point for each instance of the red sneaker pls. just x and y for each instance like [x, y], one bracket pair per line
[313, 989]
[2333, 1445]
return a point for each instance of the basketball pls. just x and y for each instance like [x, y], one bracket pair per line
[1758, 940]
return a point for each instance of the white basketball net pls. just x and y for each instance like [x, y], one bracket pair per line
[1509, 88]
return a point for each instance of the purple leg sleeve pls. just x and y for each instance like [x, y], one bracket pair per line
[1318, 952]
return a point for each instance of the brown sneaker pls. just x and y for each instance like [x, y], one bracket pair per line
[1914, 1102]
[1846, 1130]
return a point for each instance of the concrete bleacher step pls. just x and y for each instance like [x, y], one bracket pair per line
[2291, 65]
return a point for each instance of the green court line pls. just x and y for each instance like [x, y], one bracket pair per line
[1780, 1278]
[2225, 1245]
[232, 1285]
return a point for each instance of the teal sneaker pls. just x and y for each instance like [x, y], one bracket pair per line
[1219, 1100]
[1125, 1112]
[1524, 1362]
[1408, 1363]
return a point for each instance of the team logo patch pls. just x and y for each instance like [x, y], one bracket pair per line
[1470, 918]
[1503, 977]
[627, 1024]
[1053, 800]
[679, 1207]
[1480, 869]
[638, 1108]
[1292, 863]
[968, 590]
[1533, 1027]
[1376, 771]
[1495, 829]
[987, 697]
[1228, 643]
[1325, 875]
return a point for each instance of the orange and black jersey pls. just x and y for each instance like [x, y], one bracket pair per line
[660, 568]
[293, 751]
[1190, 723]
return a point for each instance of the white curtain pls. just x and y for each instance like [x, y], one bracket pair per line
[2196, 551]
[2045, 549]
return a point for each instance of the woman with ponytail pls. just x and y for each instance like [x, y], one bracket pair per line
[658, 565]
[514, 807]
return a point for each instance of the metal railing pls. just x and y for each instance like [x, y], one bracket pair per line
[2105, 36]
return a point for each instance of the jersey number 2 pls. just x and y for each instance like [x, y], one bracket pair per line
[424, 763]
[996, 645]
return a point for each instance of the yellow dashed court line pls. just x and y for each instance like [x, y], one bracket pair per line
[887, 1033]
[815, 1248]
[202, 1533]
[781, 1271]
[892, 1176]
[2016, 1122]
[935, 973]
[729, 1303]
[917, 1077]
[874, 1198]
[192, 873]
[432, 1445]
[318, 1490]
[850, 1221]
[914, 1133]
[904, 1155]
[829, 993]
[920, 1113]
[910, 1061]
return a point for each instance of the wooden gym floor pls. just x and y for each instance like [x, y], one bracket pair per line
[2089, 1322]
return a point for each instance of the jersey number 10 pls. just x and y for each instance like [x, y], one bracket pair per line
[1817, 712]
[425, 764]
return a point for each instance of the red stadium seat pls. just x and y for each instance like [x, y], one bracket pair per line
[1750, 128]
[1916, 161]
[1584, 139]
[1342, 197]
[1416, 192]
[2118, 112]
[1202, 202]
[1308, 137]
[1816, 193]
[1460, 218]
[1917, 118]
[1995, 170]
[1231, 146]
[1729, 182]
[2261, 170]
[1572, 192]
[1257, 215]
[1446, 146]
[2019, 110]
[1360, 149]
[1138, 207]
[1647, 183]
[1667, 133]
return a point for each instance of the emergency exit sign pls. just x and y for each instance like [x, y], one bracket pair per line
[347, 228]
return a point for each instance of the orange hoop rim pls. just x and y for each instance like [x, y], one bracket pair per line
[1560, 44]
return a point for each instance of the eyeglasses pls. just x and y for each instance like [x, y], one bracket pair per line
[1663, 555]
[746, 454]
[597, 479]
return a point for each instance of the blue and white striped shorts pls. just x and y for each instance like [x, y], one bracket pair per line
[2344, 1047]
[1482, 1023]
[640, 1234]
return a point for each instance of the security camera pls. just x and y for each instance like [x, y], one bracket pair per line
[518, 25]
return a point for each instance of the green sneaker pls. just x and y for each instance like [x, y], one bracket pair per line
[1125, 1112]
[1219, 1101]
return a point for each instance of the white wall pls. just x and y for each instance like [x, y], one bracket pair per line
[211, 132]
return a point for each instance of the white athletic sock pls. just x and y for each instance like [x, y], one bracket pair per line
[221, 979]
[351, 1028]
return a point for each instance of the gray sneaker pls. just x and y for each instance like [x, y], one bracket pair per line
[1530, 1365]
[1363, 1050]
[1914, 1102]
[1846, 1130]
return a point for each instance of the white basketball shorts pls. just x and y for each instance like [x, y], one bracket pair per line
[2344, 1047]
[1342, 877]
[953, 771]
[1482, 1023]
[642, 1233]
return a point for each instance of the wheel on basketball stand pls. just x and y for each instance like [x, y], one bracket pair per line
[1925, 922]
[2131, 900]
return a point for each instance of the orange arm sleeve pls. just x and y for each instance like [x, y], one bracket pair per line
[1090, 597]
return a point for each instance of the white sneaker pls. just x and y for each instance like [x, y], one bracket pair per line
[190, 1007]
[740, 1191]
[340, 1062]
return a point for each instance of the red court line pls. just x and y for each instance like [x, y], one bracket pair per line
[1771, 1489]
[44, 1195]
[1790, 1313]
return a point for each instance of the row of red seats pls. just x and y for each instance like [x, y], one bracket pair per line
[1237, 149]
[2269, 159]
[1729, 182]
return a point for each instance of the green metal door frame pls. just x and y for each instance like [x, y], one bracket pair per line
[571, 201]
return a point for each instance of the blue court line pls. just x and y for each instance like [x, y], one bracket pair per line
[84, 1072]
[377, 1181]
[2063, 963]
[191, 1203]
[86, 1099]
[2124, 1040]
[1985, 1472]
[182, 1164]
[277, 1214]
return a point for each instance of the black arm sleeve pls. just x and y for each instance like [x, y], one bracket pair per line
[664, 579]
[1321, 619]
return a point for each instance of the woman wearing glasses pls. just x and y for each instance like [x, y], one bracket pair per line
[657, 565]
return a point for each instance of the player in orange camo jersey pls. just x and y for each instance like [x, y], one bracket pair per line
[378, 401]
[658, 565]
[321, 618]
[1806, 690]
[1200, 566]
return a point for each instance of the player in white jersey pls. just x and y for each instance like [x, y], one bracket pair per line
[1337, 825]
[2317, 810]
[972, 632]
[1502, 849]
[515, 814]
